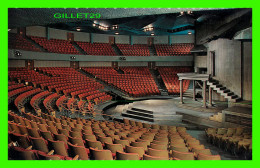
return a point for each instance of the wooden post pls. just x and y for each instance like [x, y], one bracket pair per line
[210, 97]
[181, 92]
[194, 91]
[204, 94]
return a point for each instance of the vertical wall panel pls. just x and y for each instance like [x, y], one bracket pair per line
[51, 63]
[16, 63]
[36, 31]
[94, 64]
[81, 36]
[58, 34]
[122, 64]
[160, 39]
[227, 63]
[122, 39]
[247, 71]
[100, 38]
[179, 63]
[140, 39]
[182, 38]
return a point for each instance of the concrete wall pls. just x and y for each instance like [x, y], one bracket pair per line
[200, 61]
[94, 64]
[100, 38]
[122, 64]
[13, 30]
[80, 36]
[183, 38]
[227, 63]
[140, 39]
[36, 31]
[247, 70]
[16, 63]
[181, 63]
[161, 40]
[58, 34]
[51, 63]
[123, 39]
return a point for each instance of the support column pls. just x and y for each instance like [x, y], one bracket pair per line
[204, 94]
[47, 31]
[91, 38]
[194, 90]
[181, 92]
[210, 97]
[169, 40]
[131, 40]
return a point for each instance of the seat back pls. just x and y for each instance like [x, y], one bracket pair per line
[77, 141]
[127, 156]
[114, 147]
[101, 154]
[44, 156]
[22, 140]
[183, 155]
[158, 153]
[208, 157]
[122, 142]
[39, 144]
[91, 137]
[79, 150]
[22, 154]
[60, 137]
[46, 135]
[181, 149]
[158, 146]
[140, 144]
[94, 144]
[138, 150]
[148, 157]
[59, 147]
[105, 140]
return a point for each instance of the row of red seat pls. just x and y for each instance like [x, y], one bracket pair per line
[174, 49]
[97, 48]
[19, 101]
[49, 101]
[134, 50]
[136, 81]
[35, 101]
[19, 42]
[56, 45]
[65, 47]
[170, 78]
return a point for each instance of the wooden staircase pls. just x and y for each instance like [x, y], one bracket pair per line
[223, 91]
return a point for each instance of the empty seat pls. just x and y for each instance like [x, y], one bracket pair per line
[101, 154]
[59, 147]
[208, 157]
[81, 151]
[158, 146]
[127, 156]
[183, 155]
[138, 150]
[140, 144]
[19, 153]
[122, 142]
[158, 153]
[148, 157]
[94, 144]
[114, 148]
[39, 144]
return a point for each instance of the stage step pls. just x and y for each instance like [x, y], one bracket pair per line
[138, 117]
[139, 113]
[142, 110]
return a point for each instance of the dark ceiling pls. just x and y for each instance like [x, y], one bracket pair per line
[130, 21]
